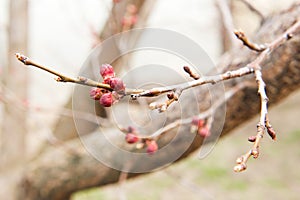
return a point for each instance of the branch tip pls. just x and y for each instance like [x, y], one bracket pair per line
[22, 58]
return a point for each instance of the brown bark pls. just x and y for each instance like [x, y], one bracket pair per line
[56, 174]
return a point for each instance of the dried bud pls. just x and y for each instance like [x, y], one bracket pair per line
[170, 95]
[204, 131]
[252, 138]
[239, 160]
[117, 85]
[107, 71]
[151, 146]
[255, 153]
[153, 105]
[131, 138]
[107, 99]
[96, 93]
[271, 132]
[240, 167]
[163, 108]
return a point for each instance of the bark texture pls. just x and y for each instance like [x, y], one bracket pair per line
[57, 174]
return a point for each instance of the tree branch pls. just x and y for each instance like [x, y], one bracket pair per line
[282, 77]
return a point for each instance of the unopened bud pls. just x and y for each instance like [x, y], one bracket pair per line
[163, 108]
[240, 167]
[204, 131]
[252, 138]
[151, 147]
[153, 105]
[131, 138]
[255, 153]
[107, 99]
[271, 132]
[170, 95]
[96, 93]
[239, 160]
[107, 71]
[117, 85]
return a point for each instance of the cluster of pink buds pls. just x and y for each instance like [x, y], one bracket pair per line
[200, 126]
[105, 97]
[132, 137]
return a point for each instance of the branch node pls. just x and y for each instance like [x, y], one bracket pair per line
[289, 36]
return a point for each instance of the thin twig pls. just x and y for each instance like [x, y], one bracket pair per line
[253, 46]
[203, 115]
[61, 77]
[263, 121]
[213, 79]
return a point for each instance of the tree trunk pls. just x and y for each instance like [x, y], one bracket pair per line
[57, 174]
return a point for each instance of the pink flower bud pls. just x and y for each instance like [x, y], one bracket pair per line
[151, 147]
[204, 131]
[117, 85]
[131, 138]
[96, 93]
[107, 99]
[107, 71]
[201, 123]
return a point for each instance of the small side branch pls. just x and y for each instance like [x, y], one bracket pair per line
[61, 77]
[253, 46]
[254, 152]
[176, 90]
